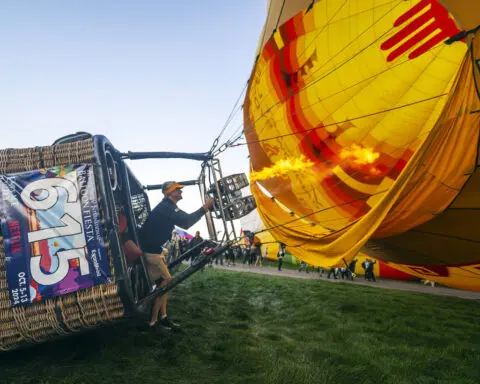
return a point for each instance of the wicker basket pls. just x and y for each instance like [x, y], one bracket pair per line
[61, 315]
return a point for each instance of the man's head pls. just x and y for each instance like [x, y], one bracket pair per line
[197, 234]
[172, 190]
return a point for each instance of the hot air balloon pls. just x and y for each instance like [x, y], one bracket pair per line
[362, 122]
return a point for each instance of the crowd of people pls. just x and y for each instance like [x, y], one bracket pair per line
[257, 255]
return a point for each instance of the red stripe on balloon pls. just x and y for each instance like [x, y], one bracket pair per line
[419, 29]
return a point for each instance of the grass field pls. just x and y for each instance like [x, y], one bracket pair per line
[243, 328]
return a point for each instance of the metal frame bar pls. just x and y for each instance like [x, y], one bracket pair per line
[208, 215]
[217, 175]
[111, 223]
[166, 155]
[160, 186]
[132, 223]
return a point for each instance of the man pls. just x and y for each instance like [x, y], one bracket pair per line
[155, 233]
[369, 269]
[194, 242]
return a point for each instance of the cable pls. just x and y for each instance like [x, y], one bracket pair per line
[323, 235]
[326, 98]
[398, 149]
[327, 74]
[323, 210]
[345, 121]
[230, 117]
[413, 229]
[280, 14]
[265, 26]
[346, 203]
[229, 141]
[343, 90]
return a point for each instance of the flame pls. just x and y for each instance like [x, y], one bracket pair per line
[358, 155]
[281, 168]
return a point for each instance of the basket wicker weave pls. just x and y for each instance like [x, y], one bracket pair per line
[62, 315]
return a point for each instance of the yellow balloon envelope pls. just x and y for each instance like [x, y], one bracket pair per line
[363, 131]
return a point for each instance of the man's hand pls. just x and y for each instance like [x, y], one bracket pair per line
[208, 204]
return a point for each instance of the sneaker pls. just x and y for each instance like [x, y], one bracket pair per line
[167, 324]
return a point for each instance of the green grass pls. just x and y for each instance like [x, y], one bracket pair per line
[246, 328]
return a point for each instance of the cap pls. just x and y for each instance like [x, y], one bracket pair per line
[170, 186]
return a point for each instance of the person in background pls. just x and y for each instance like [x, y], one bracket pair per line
[265, 254]
[175, 246]
[351, 269]
[333, 271]
[183, 243]
[364, 266]
[258, 253]
[246, 254]
[281, 255]
[194, 242]
[234, 252]
[220, 257]
[156, 231]
[369, 274]
[303, 267]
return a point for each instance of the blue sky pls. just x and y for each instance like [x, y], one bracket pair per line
[149, 75]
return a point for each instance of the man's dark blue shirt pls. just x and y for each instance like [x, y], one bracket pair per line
[161, 222]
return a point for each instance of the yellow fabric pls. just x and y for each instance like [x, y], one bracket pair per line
[391, 139]
[279, 11]
[268, 241]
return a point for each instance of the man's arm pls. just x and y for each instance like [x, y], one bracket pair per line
[185, 220]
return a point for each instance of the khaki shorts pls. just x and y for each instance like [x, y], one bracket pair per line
[157, 266]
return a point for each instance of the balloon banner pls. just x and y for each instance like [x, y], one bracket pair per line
[53, 233]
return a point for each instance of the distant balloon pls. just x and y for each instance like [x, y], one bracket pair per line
[362, 133]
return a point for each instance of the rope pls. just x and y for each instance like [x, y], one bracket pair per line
[347, 120]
